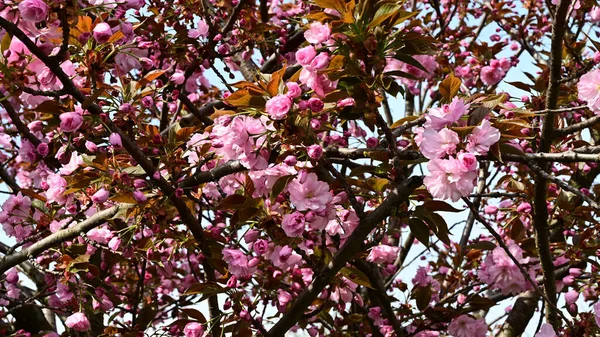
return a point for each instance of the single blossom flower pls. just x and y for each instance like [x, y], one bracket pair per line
[278, 107]
[78, 322]
[383, 254]
[308, 193]
[33, 10]
[293, 224]
[448, 180]
[100, 196]
[589, 90]
[317, 33]
[115, 140]
[193, 329]
[70, 121]
[482, 138]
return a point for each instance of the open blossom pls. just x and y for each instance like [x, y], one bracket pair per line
[238, 262]
[383, 254]
[597, 313]
[293, 224]
[305, 55]
[482, 138]
[193, 329]
[465, 326]
[308, 193]
[500, 272]
[284, 257]
[202, 30]
[33, 10]
[546, 331]
[495, 72]
[15, 209]
[436, 144]
[589, 90]
[446, 115]
[278, 107]
[78, 322]
[58, 186]
[317, 33]
[448, 180]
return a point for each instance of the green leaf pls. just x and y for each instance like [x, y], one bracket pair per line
[356, 276]
[384, 12]
[280, 185]
[134, 170]
[5, 44]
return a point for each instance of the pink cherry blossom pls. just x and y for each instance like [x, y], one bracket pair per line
[283, 257]
[33, 10]
[115, 140]
[383, 254]
[500, 272]
[445, 115]
[237, 262]
[305, 55]
[78, 322]
[58, 186]
[595, 14]
[278, 107]
[465, 326]
[447, 179]
[597, 313]
[308, 193]
[193, 329]
[482, 138]
[438, 144]
[100, 196]
[293, 224]
[317, 33]
[589, 90]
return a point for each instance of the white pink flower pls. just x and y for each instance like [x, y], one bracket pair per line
[589, 90]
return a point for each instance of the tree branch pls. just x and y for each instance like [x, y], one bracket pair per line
[540, 210]
[12, 260]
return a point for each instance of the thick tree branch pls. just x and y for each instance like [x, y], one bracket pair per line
[540, 210]
[520, 315]
[35, 249]
[201, 177]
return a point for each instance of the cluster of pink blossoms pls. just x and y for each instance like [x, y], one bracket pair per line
[452, 170]
[465, 326]
[312, 62]
[500, 272]
[14, 215]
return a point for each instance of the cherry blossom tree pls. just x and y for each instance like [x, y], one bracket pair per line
[239, 168]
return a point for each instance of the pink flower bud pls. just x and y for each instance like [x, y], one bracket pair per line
[115, 140]
[315, 152]
[102, 32]
[139, 196]
[100, 196]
